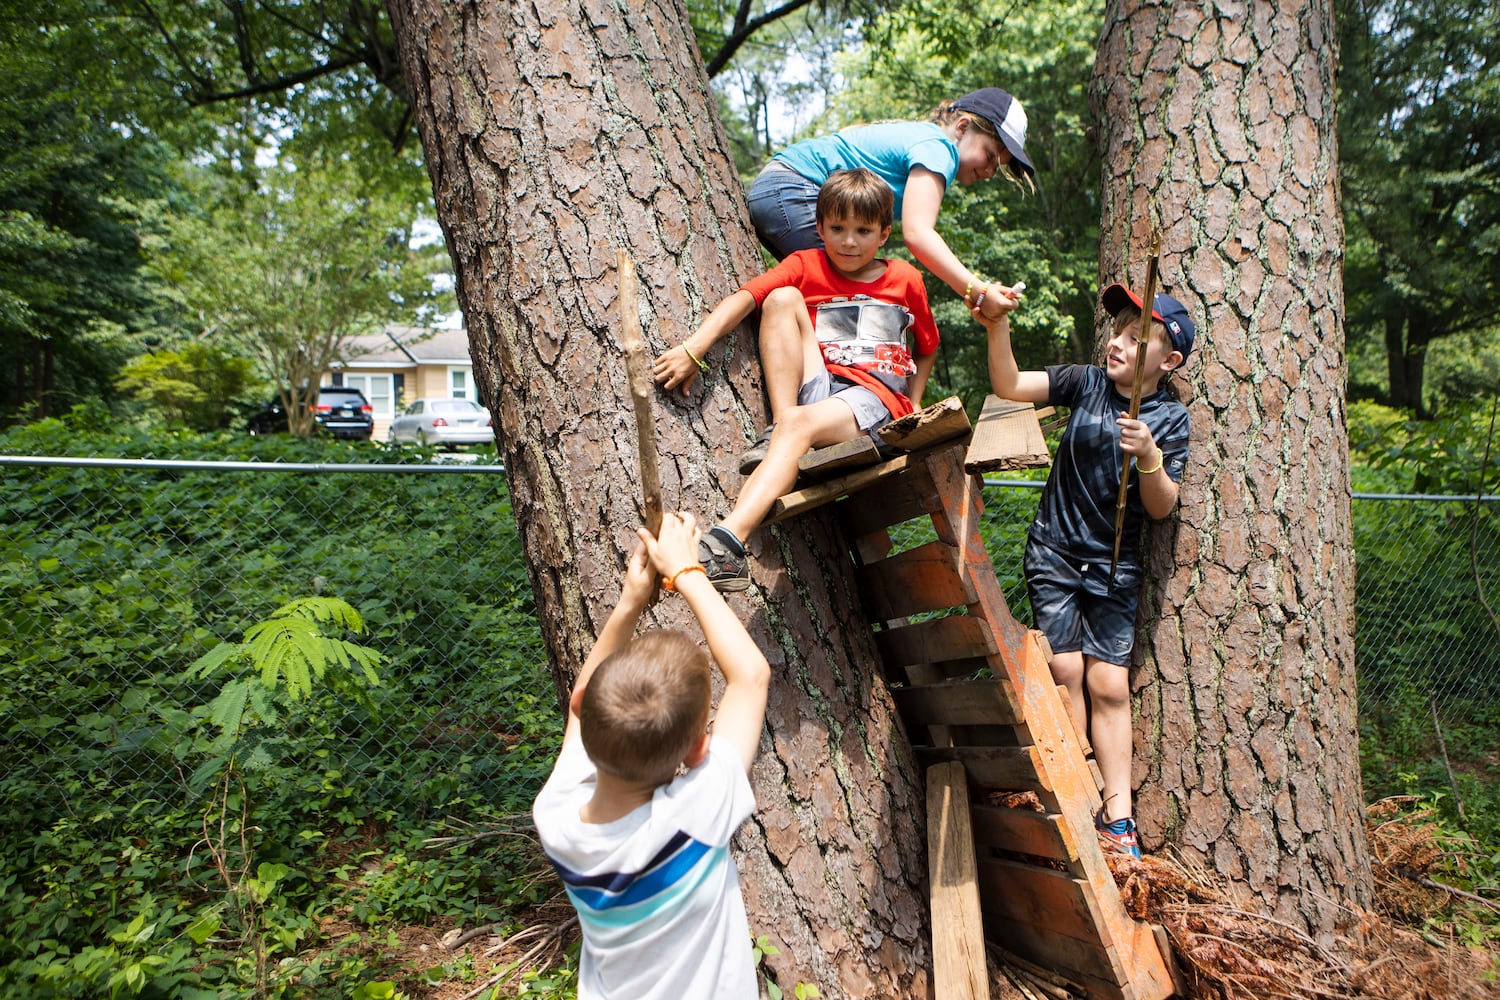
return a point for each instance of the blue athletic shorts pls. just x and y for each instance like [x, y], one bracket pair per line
[784, 210]
[1077, 609]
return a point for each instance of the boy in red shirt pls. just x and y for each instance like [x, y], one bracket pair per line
[833, 348]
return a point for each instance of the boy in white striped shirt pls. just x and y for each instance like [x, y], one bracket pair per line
[642, 803]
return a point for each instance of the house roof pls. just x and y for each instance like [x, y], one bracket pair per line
[408, 347]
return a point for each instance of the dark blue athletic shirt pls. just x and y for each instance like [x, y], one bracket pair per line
[1077, 511]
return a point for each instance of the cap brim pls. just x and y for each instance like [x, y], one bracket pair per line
[1117, 297]
[1018, 157]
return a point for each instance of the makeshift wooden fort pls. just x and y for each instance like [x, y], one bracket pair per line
[977, 698]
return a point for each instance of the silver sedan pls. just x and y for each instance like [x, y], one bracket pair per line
[449, 422]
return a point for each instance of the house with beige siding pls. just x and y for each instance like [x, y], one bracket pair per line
[403, 363]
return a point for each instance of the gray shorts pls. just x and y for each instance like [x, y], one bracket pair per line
[870, 413]
[1075, 606]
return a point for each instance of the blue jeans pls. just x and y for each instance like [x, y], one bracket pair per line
[784, 210]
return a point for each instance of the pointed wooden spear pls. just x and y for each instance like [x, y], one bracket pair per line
[641, 389]
[1143, 338]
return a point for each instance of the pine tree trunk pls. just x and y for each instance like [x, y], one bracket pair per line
[1219, 124]
[555, 136]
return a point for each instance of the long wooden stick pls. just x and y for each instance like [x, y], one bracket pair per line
[1143, 339]
[641, 388]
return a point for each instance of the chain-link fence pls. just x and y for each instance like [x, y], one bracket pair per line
[116, 576]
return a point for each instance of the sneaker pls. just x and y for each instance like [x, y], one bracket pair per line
[1118, 836]
[727, 571]
[756, 453]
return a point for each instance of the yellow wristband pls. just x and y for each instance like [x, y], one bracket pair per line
[695, 359]
[670, 582]
[967, 289]
[1160, 458]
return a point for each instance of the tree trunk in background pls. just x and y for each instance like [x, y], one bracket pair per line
[555, 135]
[1218, 122]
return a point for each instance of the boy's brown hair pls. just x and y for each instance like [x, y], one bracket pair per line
[646, 706]
[857, 194]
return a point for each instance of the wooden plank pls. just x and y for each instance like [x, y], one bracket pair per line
[1023, 831]
[1049, 900]
[1063, 956]
[928, 426]
[960, 703]
[1008, 436]
[1071, 789]
[898, 500]
[1008, 769]
[950, 638]
[856, 453]
[959, 964]
[799, 501]
[1079, 729]
[921, 579]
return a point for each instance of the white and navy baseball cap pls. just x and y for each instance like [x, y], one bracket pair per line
[1009, 119]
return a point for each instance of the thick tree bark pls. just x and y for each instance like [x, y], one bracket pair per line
[1218, 122]
[556, 134]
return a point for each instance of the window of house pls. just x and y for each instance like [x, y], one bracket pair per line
[458, 383]
[378, 389]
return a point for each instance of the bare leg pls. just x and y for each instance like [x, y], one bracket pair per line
[788, 348]
[1067, 670]
[1110, 731]
[798, 429]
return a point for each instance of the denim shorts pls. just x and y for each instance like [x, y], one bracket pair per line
[870, 413]
[784, 210]
[1076, 607]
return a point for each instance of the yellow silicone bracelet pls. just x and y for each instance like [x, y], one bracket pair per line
[695, 359]
[670, 582]
[1160, 459]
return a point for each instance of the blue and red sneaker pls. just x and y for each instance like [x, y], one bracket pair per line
[1118, 836]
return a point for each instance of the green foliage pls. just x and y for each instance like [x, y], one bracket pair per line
[79, 188]
[760, 949]
[197, 386]
[115, 585]
[290, 264]
[1419, 150]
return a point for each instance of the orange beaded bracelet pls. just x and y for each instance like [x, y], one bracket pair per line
[670, 582]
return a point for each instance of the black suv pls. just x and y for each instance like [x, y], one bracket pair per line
[341, 411]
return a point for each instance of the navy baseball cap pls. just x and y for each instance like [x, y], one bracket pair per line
[1168, 312]
[1009, 120]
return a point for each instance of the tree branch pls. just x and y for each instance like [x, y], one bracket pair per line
[744, 27]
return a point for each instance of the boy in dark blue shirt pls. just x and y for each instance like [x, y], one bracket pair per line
[1087, 617]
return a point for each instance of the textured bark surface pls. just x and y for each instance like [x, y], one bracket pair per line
[556, 134]
[1217, 121]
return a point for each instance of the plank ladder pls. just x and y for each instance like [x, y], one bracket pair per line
[976, 695]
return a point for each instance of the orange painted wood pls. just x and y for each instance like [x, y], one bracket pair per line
[1024, 831]
[951, 638]
[1006, 769]
[802, 500]
[960, 703]
[911, 582]
[1070, 788]
[959, 964]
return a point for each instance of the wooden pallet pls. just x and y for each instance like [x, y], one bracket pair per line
[974, 688]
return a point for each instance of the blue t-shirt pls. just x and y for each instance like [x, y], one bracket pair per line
[890, 149]
[1077, 511]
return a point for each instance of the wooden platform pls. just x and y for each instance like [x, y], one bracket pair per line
[973, 688]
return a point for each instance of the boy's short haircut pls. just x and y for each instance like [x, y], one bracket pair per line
[857, 194]
[646, 706]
